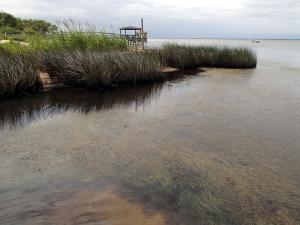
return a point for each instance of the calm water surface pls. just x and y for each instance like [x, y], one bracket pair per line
[214, 147]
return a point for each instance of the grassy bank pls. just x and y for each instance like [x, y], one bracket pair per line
[185, 57]
[20, 62]
[91, 59]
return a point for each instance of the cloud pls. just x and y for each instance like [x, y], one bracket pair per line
[173, 18]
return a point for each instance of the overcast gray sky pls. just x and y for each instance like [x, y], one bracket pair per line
[173, 18]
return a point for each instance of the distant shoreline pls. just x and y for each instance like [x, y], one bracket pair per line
[264, 39]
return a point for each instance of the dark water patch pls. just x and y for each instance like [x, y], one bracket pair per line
[17, 112]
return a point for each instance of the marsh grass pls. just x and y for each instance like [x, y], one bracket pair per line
[71, 50]
[75, 36]
[77, 55]
[187, 190]
[93, 68]
[71, 36]
[185, 56]
[18, 73]
[76, 40]
[68, 42]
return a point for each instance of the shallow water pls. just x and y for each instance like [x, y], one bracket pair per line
[217, 147]
[76, 205]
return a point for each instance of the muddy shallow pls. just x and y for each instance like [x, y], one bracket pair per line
[216, 147]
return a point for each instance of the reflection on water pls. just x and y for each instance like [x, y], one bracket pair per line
[219, 148]
[17, 112]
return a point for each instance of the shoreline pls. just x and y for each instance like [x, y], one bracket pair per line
[32, 71]
[49, 82]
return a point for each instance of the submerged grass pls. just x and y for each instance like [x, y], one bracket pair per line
[185, 56]
[18, 73]
[204, 189]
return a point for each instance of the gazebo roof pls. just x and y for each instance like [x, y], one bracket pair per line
[130, 28]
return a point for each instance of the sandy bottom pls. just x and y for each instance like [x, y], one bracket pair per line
[77, 207]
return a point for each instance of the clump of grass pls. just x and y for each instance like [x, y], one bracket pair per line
[18, 72]
[94, 68]
[184, 56]
[187, 189]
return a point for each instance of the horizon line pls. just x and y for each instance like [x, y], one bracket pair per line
[229, 38]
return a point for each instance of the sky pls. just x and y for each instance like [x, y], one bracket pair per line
[276, 19]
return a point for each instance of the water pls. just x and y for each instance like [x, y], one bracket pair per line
[216, 147]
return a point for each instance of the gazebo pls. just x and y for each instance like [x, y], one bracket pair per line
[136, 30]
[133, 34]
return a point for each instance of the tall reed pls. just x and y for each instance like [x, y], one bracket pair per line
[184, 56]
[102, 68]
[18, 73]
[76, 36]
